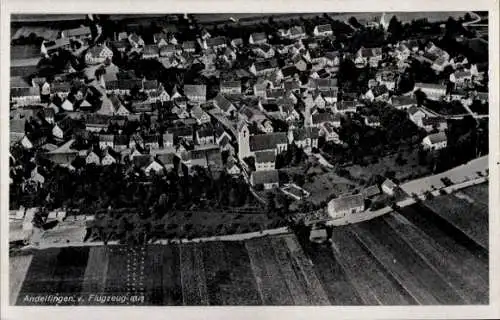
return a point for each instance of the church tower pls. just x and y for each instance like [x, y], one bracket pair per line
[243, 140]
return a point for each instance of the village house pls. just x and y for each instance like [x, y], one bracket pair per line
[98, 54]
[389, 187]
[121, 142]
[166, 160]
[346, 205]
[269, 179]
[215, 43]
[135, 40]
[151, 141]
[435, 141]
[372, 121]
[434, 123]
[305, 138]
[323, 30]
[257, 38]
[153, 167]
[403, 102]
[264, 51]
[189, 46]
[106, 140]
[295, 32]
[260, 68]
[200, 115]
[150, 51]
[461, 77]
[230, 87]
[196, 92]
[368, 56]
[346, 106]
[226, 106]
[76, 33]
[440, 64]
[432, 91]
[47, 48]
[168, 50]
[416, 115]
[25, 96]
[327, 130]
[205, 135]
[265, 160]
[108, 159]
[261, 86]
[92, 158]
[388, 78]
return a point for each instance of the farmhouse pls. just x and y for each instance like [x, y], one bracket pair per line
[435, 141]
[98, 54]
[323, 30]
[432, 91]
[346, 205]
[269, 179]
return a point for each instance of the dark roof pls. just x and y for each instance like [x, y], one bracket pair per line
[266, 176]
[431, 121]
[289, 71]
[258, 36]
[403, 100]
[142, 160]
[222, 102]
[270, 107]
[370, 191]
[320, 117]
[195, 90]
[81, 31]
[266, 64]
[166, 158]
[24, 92]
[216, 41]
[267, 141]
[265, 156]
[121, 139]
[437, 137]
[300, 134]
[324, 27]
[230, 84]
[188, 45]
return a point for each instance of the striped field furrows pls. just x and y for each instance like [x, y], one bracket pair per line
[413, 256]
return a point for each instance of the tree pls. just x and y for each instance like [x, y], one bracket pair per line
[395, 28]
[271, 206]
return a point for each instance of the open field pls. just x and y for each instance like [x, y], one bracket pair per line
[395, 259]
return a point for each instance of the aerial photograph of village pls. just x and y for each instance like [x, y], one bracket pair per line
[249, 159]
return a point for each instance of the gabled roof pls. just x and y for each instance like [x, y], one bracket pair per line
[435, 86]
[296, 30]
[267, 141]
[231, 84]
[258, 36]
[266, 64]
[289, 71]
[389, 183]
[216, 41]
[370, 191]
[403, 100]
[265, 156]
[437, 137]
[348, 202]
[222, 102]
[76, 32]
[151, 49]
[324, 27]
[195, 90]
